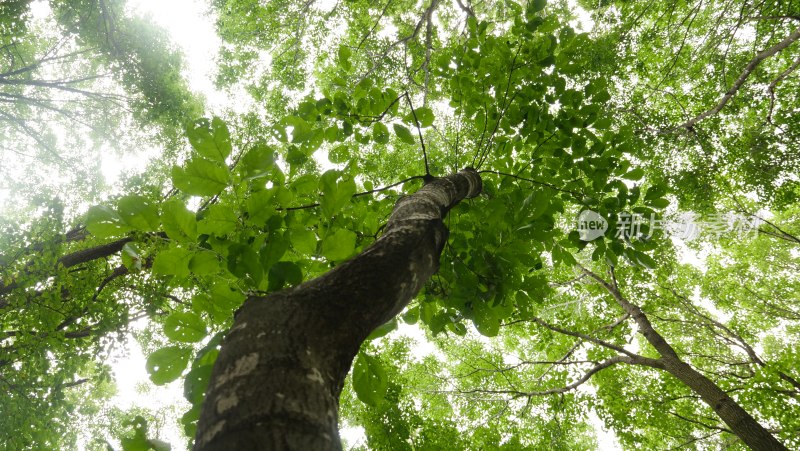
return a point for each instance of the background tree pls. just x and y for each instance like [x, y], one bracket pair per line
[73, 75]
[73, 90]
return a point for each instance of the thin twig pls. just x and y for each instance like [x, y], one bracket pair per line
[549, 185]
[364, 193]
[419, 132]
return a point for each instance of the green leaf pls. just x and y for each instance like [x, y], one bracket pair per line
[568, 258]
[635, 174]
[644, 259]
[131, 257]
[186, 327]
[411, 316]
[260, 206]
[209, 353]
[403, 133]
[305, 185]
[211, 140]
[457, 328]
[339, 154]
[339, 245]
[139, 213]
[179, 223]
[331, 134]
[654, 192]
[536, 204]
[424, 115]
[204, 262]
[439, 322]
[485, 319]
[283, 273]
[220, 220]
[369, 379]
[271, 253]
[472, 24]
[537, 5]
[257, 162]
[295, 157]
[166, 364]
[174, 261]
[138, 442]
[532, 25]
[200, 177]
[427, 310]
[561, 255]
[602, 123]
[658, 203]
[303, 240]
[103, 222]
[335, 194]
[382, 330]
[344, 54]
[380, 133]
[594, 86]
[226, 296]
[602, 96]
[243, 261]
[189, 421]
[196, 382]
[362, 88]
[599, 251]
[301, 131]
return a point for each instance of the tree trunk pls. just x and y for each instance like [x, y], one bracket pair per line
[277, 380]
[740, 422]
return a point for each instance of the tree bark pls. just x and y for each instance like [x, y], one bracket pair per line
[279, 374]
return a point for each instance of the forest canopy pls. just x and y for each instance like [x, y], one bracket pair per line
[608, 196]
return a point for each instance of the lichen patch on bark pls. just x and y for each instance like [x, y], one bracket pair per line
[227, 402]
[242, 366]
[316, 376]
[212, 431]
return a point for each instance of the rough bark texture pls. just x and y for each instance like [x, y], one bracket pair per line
[277, 380]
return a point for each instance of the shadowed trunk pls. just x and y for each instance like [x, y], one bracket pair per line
[277, 380]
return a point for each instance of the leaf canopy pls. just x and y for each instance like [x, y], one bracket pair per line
[673, 125]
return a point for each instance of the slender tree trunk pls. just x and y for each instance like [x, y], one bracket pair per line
[740, 422]
[277, 380]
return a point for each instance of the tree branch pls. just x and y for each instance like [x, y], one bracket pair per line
[588, 375]
[363, 193]
[761, 56]
[641, 360]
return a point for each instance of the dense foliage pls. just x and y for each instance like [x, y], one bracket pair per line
[532, 333]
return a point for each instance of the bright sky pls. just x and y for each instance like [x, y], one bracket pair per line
[193, 31]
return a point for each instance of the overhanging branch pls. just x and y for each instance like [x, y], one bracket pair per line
[748, 70]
